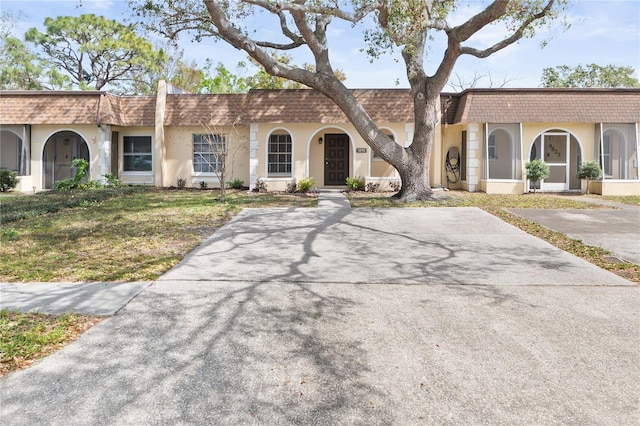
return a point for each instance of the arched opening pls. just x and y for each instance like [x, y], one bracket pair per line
[59, 151]
[561, 151]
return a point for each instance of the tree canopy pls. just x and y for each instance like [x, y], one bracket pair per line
[262, 27]
[94, 51]
[591, 75]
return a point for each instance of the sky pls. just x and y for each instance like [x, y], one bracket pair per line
[601, 32]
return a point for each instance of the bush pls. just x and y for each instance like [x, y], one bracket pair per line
[8, 179]
[203, 184]
[537, 170]
[182, 183]
[305, 185]
[291, 187]
[355, 183]
[590, 171]
[236, 183]
[373, 187]
[82, 169]
[395, 185]
[113, 181]
[261, 186]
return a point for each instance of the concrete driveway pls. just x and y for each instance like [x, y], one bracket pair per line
[339, 316]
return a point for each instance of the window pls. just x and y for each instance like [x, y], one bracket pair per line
[209, 153]
[136, 155]
[493, 152]
[280, 149]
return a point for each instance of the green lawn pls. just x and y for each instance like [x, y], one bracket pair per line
[25, 337]
[122, 234]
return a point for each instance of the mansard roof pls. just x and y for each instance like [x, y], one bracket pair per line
[542, 106]
[310, 106]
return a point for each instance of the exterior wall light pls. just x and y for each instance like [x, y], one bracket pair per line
[320, 141]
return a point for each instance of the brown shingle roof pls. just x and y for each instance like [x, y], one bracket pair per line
[311, 106]
[548, 106]
[35, 107]
[29, 107]
[129, 110]
[194, 110]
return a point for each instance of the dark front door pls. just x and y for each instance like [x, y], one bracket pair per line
[336, 159]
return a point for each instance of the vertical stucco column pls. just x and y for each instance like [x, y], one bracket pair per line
[158, 140]
[472, 157]
[104, 154]
[254, 161]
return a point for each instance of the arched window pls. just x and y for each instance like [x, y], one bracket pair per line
[280, 154]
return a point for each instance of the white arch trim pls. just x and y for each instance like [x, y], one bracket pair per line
[293, 151]
[314, 135]
[46, 141]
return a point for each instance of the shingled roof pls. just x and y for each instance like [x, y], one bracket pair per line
[547, 106]
[84, 107]
[311, 106]
[214, 110]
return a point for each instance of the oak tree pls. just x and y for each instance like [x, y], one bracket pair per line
[407, 26]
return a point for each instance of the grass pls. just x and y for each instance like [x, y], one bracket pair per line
[496, 204]
[26, 337]
[131, 234]
[633, 200]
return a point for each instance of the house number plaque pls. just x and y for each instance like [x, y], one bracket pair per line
[361, 150]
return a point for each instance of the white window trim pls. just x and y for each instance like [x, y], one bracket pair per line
[133, 172]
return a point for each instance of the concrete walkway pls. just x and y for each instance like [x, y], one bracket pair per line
[340, 316]
[616, 229]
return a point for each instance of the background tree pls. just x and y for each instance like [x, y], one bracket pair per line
[95, 51]
[219, 79]
[175, 69]
[591, 75]
[459, 83]
[408, 26]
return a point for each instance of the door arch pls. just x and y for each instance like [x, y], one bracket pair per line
[562, 152]
[59, 150]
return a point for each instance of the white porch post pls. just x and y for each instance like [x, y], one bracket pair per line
[472, 157]
[254, 161]
[104, 157]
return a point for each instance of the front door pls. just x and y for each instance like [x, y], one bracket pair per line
[555, 151]
[336, 159]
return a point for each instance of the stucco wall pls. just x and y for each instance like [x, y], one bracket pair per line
[179, 155]
[309, 156]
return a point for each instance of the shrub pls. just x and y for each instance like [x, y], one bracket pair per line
[182, 183]
[8, 179]
[82, 169]
[203, 184]
[590, 171]
[395, 185]
[236, 183]
[112, 180]
[261, 186]
[536, 170]
[355, 183]
[291, 187]
[305, 185]
[373, 187]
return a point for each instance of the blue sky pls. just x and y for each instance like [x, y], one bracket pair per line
[602, 32]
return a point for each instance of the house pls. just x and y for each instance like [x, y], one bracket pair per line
[484, 140]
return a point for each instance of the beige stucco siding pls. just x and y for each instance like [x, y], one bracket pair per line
[179, 155]
[308, 154]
